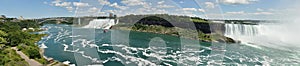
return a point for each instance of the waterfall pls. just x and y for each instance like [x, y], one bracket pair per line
[236, 30]
[241, 32]
[267, 34]
[101, 23]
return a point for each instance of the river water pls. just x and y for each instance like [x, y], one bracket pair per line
[88, 46]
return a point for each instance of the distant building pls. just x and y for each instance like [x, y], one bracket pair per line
[24, 29]
[14, 20]
[21, 18]
[111, 14]
[2, 16]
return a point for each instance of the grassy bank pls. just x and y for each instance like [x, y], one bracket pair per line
[9, 57]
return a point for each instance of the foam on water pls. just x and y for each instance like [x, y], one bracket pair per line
[66, 62]
[43, 46]
[132, 59]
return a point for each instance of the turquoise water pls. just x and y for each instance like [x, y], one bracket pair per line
[86, 46]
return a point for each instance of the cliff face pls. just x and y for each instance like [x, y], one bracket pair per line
[210, 27]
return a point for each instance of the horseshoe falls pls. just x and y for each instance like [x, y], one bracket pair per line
[241, 32]
[277, 35]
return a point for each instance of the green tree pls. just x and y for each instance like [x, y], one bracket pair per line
[18, 37]
[33, 52]
[2, 37]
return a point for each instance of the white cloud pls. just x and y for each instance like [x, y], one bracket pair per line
[164, 6]
[248, 13]
[262, 13]
[115, 5]
[201, 10]
[161, 2]
[70, 8]
[93, 9]
[101, 13]
[56, 1]
[111, 11]
[259, 9]
[237, 1]
[104, 2]
[128, 7]
[133, 2]
[45, 2]
[181, 2]
[63, 4]
[236, 13]
[80, 4]
[189, 9]
[209, 5]
[271, 9]
[60, 3]
[161, 11]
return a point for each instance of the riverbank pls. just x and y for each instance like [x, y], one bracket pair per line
[49, 61]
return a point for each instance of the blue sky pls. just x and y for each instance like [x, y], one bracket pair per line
[227, 9]
[30, 9]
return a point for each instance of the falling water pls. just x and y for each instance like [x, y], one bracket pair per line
[101, 23]
[276, 35]
[241, 31]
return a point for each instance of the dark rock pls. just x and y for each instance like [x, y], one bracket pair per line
[229, 40]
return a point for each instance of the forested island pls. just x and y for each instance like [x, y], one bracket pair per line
[181, 26]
